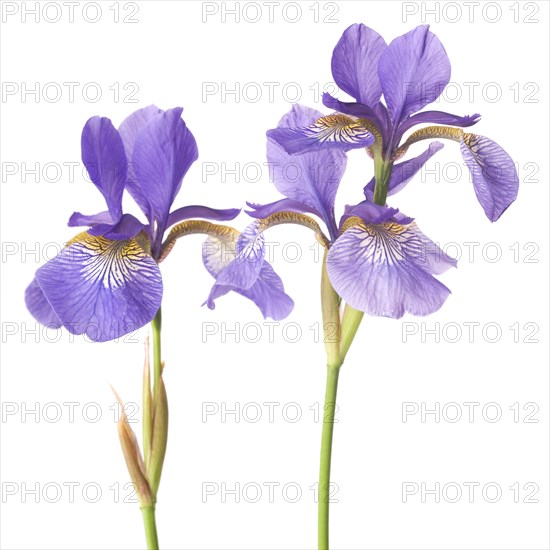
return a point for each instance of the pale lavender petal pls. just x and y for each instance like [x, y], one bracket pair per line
[355, 63]
[104, 157]
[403, 172]
[493, 172]
[195, 211]
[133, 124]
[39, 307]
[382, 270]
[413, 71]
[102, 288]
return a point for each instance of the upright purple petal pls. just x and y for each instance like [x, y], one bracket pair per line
[195, 211]
[132, 125]
[493, 172]
[403, 172]
[39, 307]
[355, 63]
[102, 288]
[384, 269]
[163, 152]
[267, 290]
[413, 71]
[312, 178]
[104, 157]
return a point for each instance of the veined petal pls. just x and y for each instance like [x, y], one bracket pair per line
[104, 157]
[332, 131]
[102, 288]
[438, 117]
[413, 71]
[493, 172]
[283, 205]
[133, 124]
[311, 178]
[383, 269]
[267, 292]
[403, 172]
[369, 212]
[355, 63]
[163, 152]
[358, 110]
[195, 211]
[78, 220]
[127, 228]
[39, 307]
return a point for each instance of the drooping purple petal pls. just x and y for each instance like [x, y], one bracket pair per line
[413, 71]
[312, 178]
[102, 288]
[329, 132]
[283, 205]
[195, 211]
[355, 63]
[39, 307]
[493, 172]
[267, 292]
[164, 150]
[438, 117]
[383, 269]
[104, 157]
[403, 172]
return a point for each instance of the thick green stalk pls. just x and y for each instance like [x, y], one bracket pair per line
[150, 527]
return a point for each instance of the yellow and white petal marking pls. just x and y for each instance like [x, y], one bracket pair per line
[339, 129]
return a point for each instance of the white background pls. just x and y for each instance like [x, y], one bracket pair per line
[169, 53]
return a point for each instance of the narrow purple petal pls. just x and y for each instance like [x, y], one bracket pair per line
[104, 157]
[195, 211]
[358, 110]
[283, 205]
[78, 220]
[163, 152]
[404, 172]
[413, 71]
[355, 63]
[493, 172]
[102, 288]
[39, 307]
[127, 228]
[438, 117]
[369, 212]
[312, 178]
[383, 270]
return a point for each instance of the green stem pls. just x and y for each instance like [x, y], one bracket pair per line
[157, 369]
[150, 527]
[329, 411]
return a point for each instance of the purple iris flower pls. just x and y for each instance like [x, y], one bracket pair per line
[106, 282]
[378, 260]
[409, 73]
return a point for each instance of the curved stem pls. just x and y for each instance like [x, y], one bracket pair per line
[326, 454]
[150, 525]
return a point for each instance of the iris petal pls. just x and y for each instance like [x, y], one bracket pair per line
[283, 205]
[385, 269]
[104, 157]
[355, 63]
[132, 125]
[267, 290]
[163, 152]
[332, 131]
[413, 71]
[194, 211]
[39, 307]
[102, 288]
[403, 172]
[494, 174]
